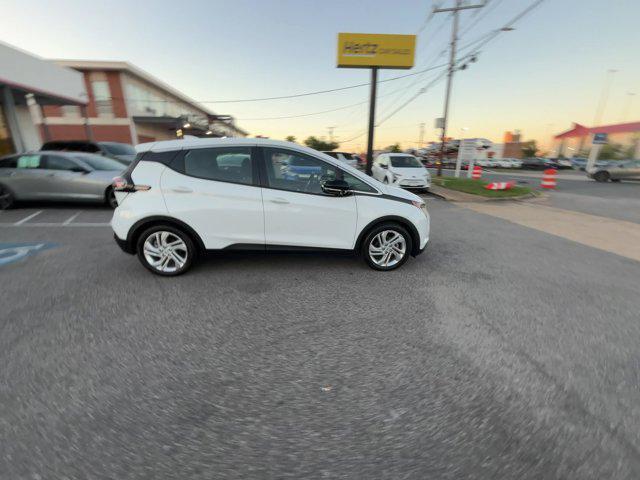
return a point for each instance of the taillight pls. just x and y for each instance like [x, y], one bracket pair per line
[120, 184]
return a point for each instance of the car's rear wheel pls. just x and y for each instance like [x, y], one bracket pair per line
[387, 247]
[110, 198]
[601, 176]
[166, 250]
[6, 198]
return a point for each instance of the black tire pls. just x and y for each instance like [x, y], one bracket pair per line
[189, 250]
[110, 198]
[6, 198]
[371, 237]
[601, 176]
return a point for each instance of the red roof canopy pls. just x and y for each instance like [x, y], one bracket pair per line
[581, 131]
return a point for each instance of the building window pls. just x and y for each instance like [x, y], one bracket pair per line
[6, 143]
[70, 111]
[102, 98]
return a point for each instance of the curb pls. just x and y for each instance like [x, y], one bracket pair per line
[455, 196]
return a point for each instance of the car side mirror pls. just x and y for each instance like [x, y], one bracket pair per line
[337, 188]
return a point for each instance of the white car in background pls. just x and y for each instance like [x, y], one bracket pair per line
[348, 158]
[402, 170]
[509, 163]
[486, 163]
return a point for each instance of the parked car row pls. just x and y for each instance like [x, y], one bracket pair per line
[56, 176]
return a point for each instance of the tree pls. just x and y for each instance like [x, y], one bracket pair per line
[529, 149]
[290, 138]
[610, 152]
[320, 145]
[395, 148]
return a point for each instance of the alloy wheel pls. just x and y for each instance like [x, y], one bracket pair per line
[165, 251]
[6, 198]
[387, 248]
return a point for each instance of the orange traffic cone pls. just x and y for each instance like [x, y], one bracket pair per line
[549, 178]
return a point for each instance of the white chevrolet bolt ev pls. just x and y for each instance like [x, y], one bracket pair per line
[401, 169]
[181, 198]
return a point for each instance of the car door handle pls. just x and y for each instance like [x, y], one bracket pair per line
[182, 190]
[280, 200]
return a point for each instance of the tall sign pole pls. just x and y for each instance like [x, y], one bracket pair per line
[452, 62]
[375, 51]
[372, 118]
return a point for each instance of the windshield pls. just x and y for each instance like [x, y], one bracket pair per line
[118, 148]
[100, 163]
[405, 162]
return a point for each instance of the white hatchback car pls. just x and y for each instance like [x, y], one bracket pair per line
[181, 198]
[401, 169]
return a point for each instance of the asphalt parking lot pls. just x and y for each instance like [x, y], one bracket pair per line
[501, 352]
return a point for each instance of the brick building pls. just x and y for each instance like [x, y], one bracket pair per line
[126, 104]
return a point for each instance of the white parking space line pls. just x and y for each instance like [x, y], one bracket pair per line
[71, 219]
[50, 224]
[26, 219]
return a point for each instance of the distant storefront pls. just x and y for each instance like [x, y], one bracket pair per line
[577, 140]
[28, 83]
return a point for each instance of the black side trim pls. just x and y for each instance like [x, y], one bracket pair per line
[415, 237]
[124, 246]
[397, 199]
[141, 225]
[259, 247]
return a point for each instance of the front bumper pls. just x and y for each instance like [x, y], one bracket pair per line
[413, 183]
[124, 245]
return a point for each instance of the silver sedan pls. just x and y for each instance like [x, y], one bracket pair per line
[61, 176]
[616, 171]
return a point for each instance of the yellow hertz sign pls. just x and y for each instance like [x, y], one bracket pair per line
[376, 50]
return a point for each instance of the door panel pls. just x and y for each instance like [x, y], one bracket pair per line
[307, 220]
[28, 180]
[222, 213]
[296, 211]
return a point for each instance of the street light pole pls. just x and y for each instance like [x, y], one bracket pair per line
[421, 137]
[603, 97]
[452, 61]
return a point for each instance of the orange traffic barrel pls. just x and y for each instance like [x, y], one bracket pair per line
[549, 178]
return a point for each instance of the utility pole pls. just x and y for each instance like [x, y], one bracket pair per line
[627, 106]
[330, 130]
[603, 97]
[421, 137]
[452, 61]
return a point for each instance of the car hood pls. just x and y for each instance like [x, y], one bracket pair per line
[127, 158]
[400, 192]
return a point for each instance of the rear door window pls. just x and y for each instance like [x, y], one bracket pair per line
[29, 161]
[230, 164]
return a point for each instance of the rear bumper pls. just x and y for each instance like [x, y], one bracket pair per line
[124, 245]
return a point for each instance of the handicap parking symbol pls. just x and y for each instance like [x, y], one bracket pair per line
[13, 252]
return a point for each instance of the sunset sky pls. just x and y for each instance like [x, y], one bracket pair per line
[539, 78]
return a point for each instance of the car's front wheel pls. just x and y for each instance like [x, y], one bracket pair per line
[165, 250]
[601, 177]
[6, 198]
[387, 247]
[110, 198]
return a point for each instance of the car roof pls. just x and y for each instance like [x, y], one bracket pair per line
[195, 142]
